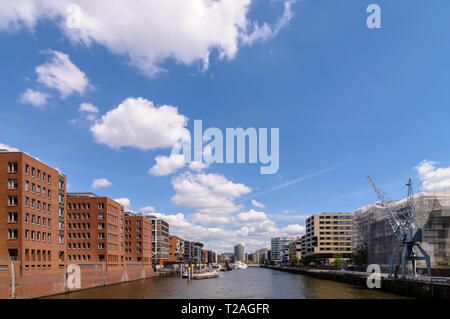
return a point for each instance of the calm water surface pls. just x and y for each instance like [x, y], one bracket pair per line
[248, 283]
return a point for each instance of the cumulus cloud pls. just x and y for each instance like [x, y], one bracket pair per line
[8, 148]
[257, 204]
[100, 182]
[137, 122]
[36, 98]
[433, 178]
[208, 194]
[62, 75]
[251, 217]
[166, 165]
[148, 32]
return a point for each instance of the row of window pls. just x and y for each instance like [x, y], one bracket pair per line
[83, 206]
[36, 220]
[82, 216]
[79, 246]
[36, 236]
[129, 251]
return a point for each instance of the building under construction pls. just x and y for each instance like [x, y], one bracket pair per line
[371, 228]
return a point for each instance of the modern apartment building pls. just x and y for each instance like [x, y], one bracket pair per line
[32, 201]
[137, 239]
[160, 239]
[94, 229]
[280, 248]
[176, 249]
[188, 251]
[328, 234]
[197, 255]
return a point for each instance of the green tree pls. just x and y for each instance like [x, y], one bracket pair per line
[337, 260]
[306, 260]
[294, 261]
[359, 256]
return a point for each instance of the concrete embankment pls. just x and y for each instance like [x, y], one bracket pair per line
[405, 287]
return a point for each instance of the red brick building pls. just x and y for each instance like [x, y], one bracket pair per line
[137, 239]
[32, 199]
[94, 230]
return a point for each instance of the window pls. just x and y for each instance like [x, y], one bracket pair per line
[38, 190]
[32, 219]
[32, 171]
[101, 216]
[13, 218]
[13, 201]
[27, 234]
[101, 205]
[49, 179]
[12, 234]
[61, 198]
[43, 176]
[12, 167]
[38, 174]
[12, 184]
[27, 201]
[27, 169]
[61, 239]
[61, 226]
[26, 217]
[32, 234]
[61, 212]
[61, 185]
[48, 208]
[101, 245]
[48, 194]
[27, 185]
[32, 187]
[101, 235]
[101, 225]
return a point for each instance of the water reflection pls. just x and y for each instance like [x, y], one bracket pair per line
[236, 284]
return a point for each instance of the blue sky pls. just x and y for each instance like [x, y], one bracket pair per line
[348, 101]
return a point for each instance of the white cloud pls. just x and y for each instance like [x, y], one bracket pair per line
[166, 165]
[150, 32]
[136, 122]
[250, 217]
[253, 236]
[8, 148]
[36, 98]
[61, 74]
[198, 166]
[208, 194]
[433, 178]
[257, 204]
[125, 202]
[209, 220]
[88, 107]
[100, 182]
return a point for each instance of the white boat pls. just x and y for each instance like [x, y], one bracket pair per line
[240, 265]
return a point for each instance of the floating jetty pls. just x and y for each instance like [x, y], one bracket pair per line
[206, 275]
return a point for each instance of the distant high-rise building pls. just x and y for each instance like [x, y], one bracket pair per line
[239, 253]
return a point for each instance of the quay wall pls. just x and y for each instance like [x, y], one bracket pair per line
[18, 283]
[405, 287]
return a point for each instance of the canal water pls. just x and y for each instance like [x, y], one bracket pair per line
[247, 283]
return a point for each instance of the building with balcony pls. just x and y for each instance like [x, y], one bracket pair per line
[94, 230]
[280, 249]
[32, 199]
[176, 249]
[327, 235]
[160, 239]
